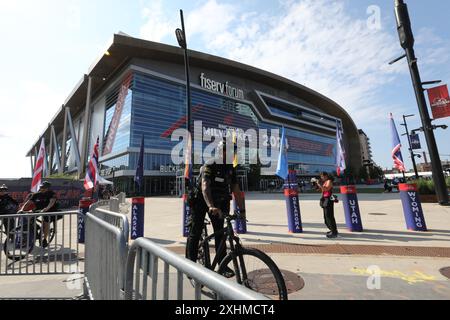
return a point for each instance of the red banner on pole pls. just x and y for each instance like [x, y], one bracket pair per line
[439, 101]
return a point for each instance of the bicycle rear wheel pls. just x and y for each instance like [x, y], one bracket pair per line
[257, 271]
[51, 233]
[16, 246]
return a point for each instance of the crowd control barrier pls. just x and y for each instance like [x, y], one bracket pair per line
[292, 203]
[240, 224]
[106, 248]
[412, 207]
[351, 209]
[137, 218]
[22, 246]
[143, 263]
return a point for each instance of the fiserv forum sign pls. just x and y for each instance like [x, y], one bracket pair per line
[221, 87]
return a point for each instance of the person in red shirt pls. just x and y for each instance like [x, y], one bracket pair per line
[327, 204]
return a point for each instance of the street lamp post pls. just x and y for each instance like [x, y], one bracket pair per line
[407, 42]
[413, 156]
[182, 42]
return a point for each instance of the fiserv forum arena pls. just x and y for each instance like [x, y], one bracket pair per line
[225, 94]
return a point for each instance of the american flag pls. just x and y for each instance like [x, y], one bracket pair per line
[397, 146]
[39, 168]
[92, 171]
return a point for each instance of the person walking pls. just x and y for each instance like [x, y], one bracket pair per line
[327, 204]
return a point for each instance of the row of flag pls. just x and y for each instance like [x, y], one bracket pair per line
[92, 172]
[283, 162]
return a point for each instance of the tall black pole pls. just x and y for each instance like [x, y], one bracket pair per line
[413, 157]
[188, 97]
[407, 42]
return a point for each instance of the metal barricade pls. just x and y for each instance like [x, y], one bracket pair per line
[112, 217]
[106, 245]
[24, 251]
[143, 260]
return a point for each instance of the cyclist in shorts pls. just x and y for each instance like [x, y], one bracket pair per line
[45, 201]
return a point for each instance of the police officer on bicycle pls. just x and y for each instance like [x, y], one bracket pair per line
[7, 205]
[45, 201]
[212, 195]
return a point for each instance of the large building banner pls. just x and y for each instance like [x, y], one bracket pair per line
[114, 125]
[439, 101]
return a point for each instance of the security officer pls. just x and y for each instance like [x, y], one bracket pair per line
[212, 195]
[46, 201]
[7, 206]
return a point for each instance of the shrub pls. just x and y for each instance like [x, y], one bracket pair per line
[426, 187]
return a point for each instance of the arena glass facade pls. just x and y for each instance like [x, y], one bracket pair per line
[225, 94]
[153, 107]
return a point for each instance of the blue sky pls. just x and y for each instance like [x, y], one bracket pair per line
[324, 44]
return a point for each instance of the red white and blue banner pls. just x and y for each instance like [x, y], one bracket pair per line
[83, 209]
[137, 218]
[340, 150]
[351, 209]
[90, 181]
[412, 208]
[396, 148]
[292, 203]
[39, 168]
[439, 101]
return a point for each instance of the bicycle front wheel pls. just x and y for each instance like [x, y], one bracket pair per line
[257, 271]
[16, 246]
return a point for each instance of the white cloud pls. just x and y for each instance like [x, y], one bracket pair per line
[313, 42]
[433, 54]
[157, 25]
[212, 22]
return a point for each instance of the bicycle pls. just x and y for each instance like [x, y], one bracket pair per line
[259, 276]
[25, 232]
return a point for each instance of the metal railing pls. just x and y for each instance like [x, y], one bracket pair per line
[143, 260]
[111, 216]
[106, 246]
[105, 250]
[23, 250]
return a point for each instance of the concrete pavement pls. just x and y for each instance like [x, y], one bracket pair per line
[333, 269]
[381, 214]
[336, 276]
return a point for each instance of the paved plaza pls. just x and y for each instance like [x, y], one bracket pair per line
[408, 262]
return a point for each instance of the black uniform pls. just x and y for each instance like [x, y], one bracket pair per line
[8, 206]
[42, 200]
[222, 177]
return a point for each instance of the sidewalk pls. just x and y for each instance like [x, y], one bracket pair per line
[381, 214]
[408, 262]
